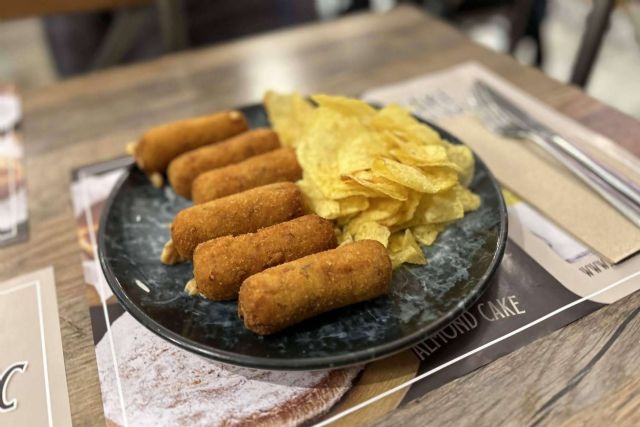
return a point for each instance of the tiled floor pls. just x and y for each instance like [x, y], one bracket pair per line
[616, 75]
[24, 59]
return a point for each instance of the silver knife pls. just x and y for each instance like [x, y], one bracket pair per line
[627, 188]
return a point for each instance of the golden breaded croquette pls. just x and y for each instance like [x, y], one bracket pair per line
[159, 145]
[240, 213]
[186, 167]
[220, 265]
[275, 166]
[289, 293]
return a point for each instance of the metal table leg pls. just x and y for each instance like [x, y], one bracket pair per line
[596, 27]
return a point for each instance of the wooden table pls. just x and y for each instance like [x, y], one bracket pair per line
[586, 371]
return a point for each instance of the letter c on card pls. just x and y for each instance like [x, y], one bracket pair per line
[9, 405]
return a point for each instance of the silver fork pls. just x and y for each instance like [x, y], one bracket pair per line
[504, 123]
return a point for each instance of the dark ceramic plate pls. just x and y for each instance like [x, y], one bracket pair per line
[422, 300]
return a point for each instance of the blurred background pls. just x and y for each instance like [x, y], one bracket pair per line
[594, 44]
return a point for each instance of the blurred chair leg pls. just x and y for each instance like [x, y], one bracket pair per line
[122, 34]
[519, 16]
[173, 24]
[592, 37]
[73, 39]
[526, 18]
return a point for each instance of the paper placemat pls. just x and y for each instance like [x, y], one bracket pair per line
[445, 98]
[33, 384]
[147, 381]
[13, 193]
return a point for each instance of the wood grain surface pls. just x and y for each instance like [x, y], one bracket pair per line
[26, 8]
[584, 372]
[377, 377]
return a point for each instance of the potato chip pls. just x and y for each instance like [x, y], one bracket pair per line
[326, 208]
[360, 152]
[320, 143]
[440, 178]
[444, 207]
[470, 201]
[405, 175]
[378, 174]
[424, 156]
[405, 213]
[420, 155]
[382, 207]
[431, 180]
[510, 198]
[288, 114]
[426, 234]
[404, 248]
[401, 123]
[409, 207]
[345, 237]
[347, 106]
[463, 157]
[379, 210]
[353, 205]
[382, 186]
[346, 187]
[374, 231]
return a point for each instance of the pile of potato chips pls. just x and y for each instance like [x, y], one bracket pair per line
[380, 174]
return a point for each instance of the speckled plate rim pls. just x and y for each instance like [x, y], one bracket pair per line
[377, 351]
